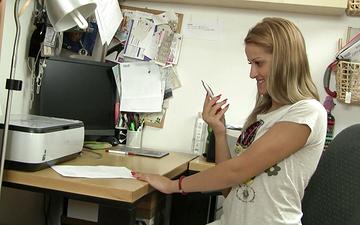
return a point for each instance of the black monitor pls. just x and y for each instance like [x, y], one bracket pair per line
[81, 90]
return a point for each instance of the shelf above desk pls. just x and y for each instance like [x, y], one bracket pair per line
[318, 7]
[124, 190]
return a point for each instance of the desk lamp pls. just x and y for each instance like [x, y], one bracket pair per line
[63, 15]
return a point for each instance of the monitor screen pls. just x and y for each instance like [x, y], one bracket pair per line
[81, 90]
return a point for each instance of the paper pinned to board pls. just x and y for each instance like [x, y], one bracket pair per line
[154, 119]
[93, 171]
[146, 36]
[108, 16]
[116, 72]
[140, 37]
[142, 87]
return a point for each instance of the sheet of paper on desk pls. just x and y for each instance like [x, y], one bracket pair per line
[142, 87]
[93, 171]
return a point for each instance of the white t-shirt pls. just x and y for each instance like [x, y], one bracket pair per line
[274, 197]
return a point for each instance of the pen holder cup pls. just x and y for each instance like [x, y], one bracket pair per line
[134, 139]
[120, 134]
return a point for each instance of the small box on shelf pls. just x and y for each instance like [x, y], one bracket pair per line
[353, 8]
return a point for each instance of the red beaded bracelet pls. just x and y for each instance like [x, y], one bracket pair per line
[180, 187]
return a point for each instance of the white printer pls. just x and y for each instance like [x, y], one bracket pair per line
[37, 142]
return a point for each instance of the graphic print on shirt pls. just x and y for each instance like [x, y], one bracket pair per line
[244, 192]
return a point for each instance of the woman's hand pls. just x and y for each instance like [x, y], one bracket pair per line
[213, 113]
[161, 183]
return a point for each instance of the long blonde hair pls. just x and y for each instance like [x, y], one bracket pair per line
[289, 80]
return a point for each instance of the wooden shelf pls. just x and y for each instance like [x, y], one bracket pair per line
[318, 7]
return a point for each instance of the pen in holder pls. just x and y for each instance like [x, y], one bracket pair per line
[134, 137]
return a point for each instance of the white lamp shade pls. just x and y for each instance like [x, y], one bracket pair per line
[63, 13]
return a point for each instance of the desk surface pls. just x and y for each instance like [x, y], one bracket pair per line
[199, 164]
[126, 190]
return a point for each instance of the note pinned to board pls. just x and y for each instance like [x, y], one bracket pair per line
[142, 87]
[154, 119]
[108, 16]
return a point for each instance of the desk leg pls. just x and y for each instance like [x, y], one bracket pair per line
[212, 208]
[167, 209]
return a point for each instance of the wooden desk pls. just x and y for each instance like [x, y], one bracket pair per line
[200, 164]
[119, 193]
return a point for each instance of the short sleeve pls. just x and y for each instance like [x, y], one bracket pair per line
[309, 112]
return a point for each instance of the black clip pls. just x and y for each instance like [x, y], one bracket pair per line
[12, 84]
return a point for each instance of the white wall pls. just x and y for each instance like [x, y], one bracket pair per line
[20, 102]
[17, 207]
[222, 63]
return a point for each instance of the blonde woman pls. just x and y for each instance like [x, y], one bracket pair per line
[282, 141]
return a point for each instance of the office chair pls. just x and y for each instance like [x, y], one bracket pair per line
[332, 196]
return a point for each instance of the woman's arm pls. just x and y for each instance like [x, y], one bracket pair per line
[282, 140]
[222, 152]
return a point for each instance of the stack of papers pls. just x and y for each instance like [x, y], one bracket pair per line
[146, 36]
[351, 50]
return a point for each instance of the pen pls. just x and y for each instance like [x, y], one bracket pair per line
[132, 126]
[119, 152]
